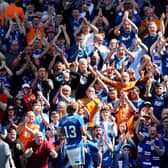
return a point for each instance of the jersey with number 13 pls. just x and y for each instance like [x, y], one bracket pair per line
[71, 125]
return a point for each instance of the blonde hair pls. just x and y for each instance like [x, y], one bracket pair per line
[145, 58]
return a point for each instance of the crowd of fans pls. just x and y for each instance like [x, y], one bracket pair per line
[108, 56]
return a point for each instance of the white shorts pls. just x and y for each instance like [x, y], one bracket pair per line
[76, 156]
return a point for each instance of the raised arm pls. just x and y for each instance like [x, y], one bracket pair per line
[104, 19]
[131, 55]
[155, 44]
[162, 25]
[117, 28]
[63, 96]
[18, 21]
[148, 88]
[9, 72]
[142, 44]
[160, 151]
[48, 22]
[94, 28]
[58, 34]
[137, 129]
[135, 28]
[54, 100]
[10, 29]
[130, 104]
[67, 39]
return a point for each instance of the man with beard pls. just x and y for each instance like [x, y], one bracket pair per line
[91, 149]
[153, 149]
[105, 145]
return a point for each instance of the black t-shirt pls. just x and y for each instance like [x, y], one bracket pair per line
[85, 80]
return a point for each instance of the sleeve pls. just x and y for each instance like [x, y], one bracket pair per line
[22, 14]
[137, 18]
[109, 141]
[81, 121]
[49, 146]
[6, 150]
[118, 146]
[21, 150]
[91, 54]
[100, 65]
[4, 99]
[46, 117]
[160, 144]
[93, 147]
[110, 82]
[60, 124]
[2, 18]
[75, 79]
[118, 18]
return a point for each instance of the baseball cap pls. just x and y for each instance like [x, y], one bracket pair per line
[147, 103]
[51, 29]
[25, 85]
[127, 146]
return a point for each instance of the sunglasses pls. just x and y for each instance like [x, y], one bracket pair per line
[10, 109]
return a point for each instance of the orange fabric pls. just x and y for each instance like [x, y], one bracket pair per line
[119, 86]
[144, 23]
[92, 108]
[10, 11]
[31, 34]
[25, 136]
[125, 114]
[3, 99]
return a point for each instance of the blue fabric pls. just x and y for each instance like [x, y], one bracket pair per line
[90, 149]
[38, 120]
[165, 63]
[71, 125]
[158, 103]
[106, 154]
[127, 38]
[149, 153]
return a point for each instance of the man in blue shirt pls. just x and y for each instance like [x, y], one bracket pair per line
[152, 36]
[126, 31]
[123, 58]
[91, 149]
[158, 99]
[153, 149]
[72, 126]
[105, 145]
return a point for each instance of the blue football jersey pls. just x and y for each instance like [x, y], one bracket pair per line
[71, 125]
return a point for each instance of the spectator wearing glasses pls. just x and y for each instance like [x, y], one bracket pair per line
[11, 119]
